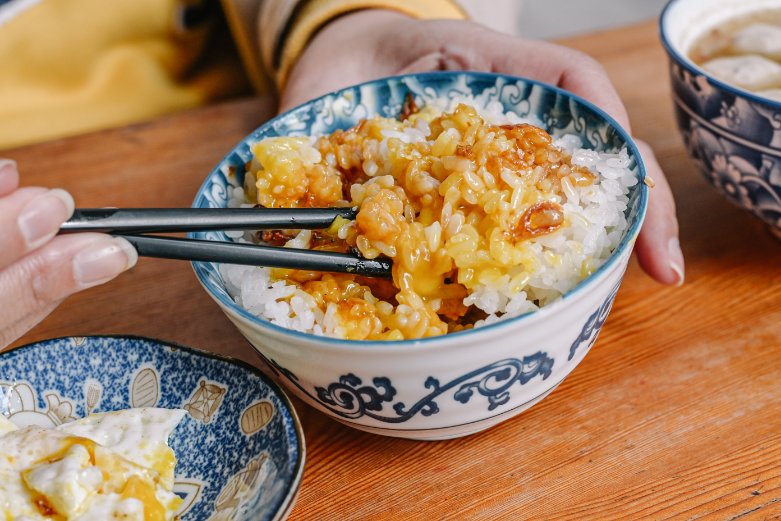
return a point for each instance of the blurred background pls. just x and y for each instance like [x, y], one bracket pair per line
[542, 18]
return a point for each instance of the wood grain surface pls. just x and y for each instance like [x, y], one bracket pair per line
[675, 414]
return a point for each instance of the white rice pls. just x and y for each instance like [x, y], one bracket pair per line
[596, 224]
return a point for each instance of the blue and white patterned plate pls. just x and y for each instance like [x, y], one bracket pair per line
[240, 449]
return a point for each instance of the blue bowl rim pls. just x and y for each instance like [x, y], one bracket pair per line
[625, 243]
[693, 68]
[289, 499]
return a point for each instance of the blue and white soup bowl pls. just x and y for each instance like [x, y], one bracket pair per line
[240, 448]
[732, 134]
[460, 383]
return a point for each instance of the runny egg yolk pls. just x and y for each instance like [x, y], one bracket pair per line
[165, 463]
[67, 444]
[114, 465]
[137, 488]
[142, 489]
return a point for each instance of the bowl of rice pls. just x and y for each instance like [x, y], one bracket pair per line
[508, 208]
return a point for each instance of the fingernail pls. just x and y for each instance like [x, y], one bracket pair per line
[676, 260]
[41, 218]
[103, 261]
[8, 170]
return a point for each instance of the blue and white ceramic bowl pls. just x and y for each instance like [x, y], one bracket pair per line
[240, 449]
[461, 383]
[733, 135]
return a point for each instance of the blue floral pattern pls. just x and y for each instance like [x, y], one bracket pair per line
[350, 398]
[240, 449]
[588, 335]
[735, 140]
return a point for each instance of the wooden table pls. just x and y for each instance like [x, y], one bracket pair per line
[675, 414]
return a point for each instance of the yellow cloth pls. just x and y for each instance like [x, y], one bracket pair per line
[72, 66]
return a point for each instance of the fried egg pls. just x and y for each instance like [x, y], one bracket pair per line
[108, 466]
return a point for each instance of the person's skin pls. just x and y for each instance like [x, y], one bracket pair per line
[39, 269]
[371, 44]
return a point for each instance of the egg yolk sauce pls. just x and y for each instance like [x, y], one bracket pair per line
[452, 199]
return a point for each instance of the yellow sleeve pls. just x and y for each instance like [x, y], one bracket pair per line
[286, 26]
[78, 66]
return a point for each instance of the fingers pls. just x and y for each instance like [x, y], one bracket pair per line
[588, 78]
[658, 249]
[567, 68]
[9, 176]
[488, 50]
[31, 287]
[68, 264]
[12, 332]
[30, 217]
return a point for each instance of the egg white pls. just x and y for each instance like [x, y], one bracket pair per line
[6, 425]
[103, 467]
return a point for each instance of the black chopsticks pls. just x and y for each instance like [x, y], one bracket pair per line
[146, 220]
[254, 255]
[130, 223]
